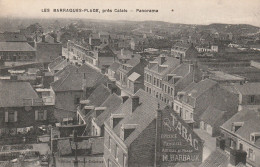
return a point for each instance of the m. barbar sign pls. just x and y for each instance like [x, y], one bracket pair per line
[175, 140]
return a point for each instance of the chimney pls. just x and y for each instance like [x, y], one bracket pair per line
[124, 98]
[135, 102]
[43, 38]
[122, 51]
[55, 38]
[237, 156]
[191, 67]
[181, 59]
[161, 59]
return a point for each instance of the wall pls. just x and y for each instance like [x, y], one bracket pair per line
[47, 52]
[26, 118]
[65, 100]
[142, 150]
[110, 153]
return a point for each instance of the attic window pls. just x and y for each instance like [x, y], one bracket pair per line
[126, 130]
[236, 126]
[254, 136]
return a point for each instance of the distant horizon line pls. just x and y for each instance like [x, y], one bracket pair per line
[119, 20]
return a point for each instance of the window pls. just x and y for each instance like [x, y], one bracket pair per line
[40, 115]
[252, 99]
[109, 142]
[251, 155]
[124, 160]
[191, 115]
[11, 116]
[116, 152]
[109, 163]
[77, 100]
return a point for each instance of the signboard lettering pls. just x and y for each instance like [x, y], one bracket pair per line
[177, 143]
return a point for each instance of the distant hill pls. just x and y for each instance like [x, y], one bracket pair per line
[241, 29]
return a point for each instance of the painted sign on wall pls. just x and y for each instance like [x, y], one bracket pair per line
[176, 141]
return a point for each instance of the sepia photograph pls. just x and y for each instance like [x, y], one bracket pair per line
[130, 83]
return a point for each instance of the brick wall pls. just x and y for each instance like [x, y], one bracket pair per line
[142, 150]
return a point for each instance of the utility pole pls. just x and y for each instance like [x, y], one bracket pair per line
[75, 139]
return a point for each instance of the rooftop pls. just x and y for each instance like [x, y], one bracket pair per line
[111, 104]
[99, 95]
[142, 116]
[213, 116]
[13, 94]
[251, 124]
[16, 46]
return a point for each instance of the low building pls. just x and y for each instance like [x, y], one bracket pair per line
[212, 119]
[75, 85]
[184, 51]
[248, 94]
[16, 53]
[21, 108]
[241, 132]
[192, 101]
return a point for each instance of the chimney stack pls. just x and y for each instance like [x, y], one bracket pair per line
[181, 59]
[135, 102]
[191, 67]
[43, 38]
[162, 59]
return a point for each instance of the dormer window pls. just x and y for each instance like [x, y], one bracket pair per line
[254, 136]
[236, 126]
[115, 119]
[99, 110]
[126, 130]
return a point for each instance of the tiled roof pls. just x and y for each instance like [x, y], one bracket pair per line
[134, 61]
[111, 104]
[251, 120]
[15, 46]
[12, 94]
[114, 66]
[99, 95]
[74, 81]
[86, 69]
[143, 115]
[170, 62]
[201, 87]
[66, 70]
[12, 37]
[55, 62]
[181, 71]
[217, 158]
[251, 88]
[213, 116]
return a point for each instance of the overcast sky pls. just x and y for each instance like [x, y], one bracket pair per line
[185, 11]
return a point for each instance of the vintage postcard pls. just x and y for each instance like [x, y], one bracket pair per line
[129, 83]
